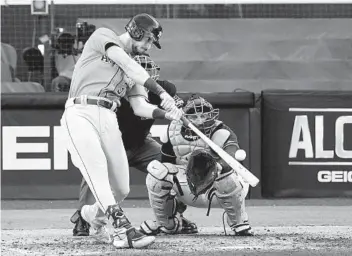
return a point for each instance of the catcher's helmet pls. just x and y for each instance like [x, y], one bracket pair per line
[142, 24]
[201, 113]
[149, 65]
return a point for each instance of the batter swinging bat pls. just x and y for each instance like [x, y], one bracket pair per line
[235, 165]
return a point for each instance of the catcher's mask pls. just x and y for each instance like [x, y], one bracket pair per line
[149, 65]
[201, 171]
[201, 113]
[142, 25]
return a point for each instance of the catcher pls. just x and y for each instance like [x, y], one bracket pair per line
[191, 174]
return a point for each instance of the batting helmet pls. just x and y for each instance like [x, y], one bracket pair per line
[144, 24]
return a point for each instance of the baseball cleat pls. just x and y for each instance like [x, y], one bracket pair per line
[126, 236]
[98, 224]
[188, 227]
[151, 228]
[243, 229]
[131, 238]
[102, 234]
[81, 226]
[245, 233]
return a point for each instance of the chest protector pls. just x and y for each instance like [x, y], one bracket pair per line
[184, 142]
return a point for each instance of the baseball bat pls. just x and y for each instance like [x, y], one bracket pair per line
[247, 176]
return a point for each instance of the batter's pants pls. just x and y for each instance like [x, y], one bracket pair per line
[138, 158]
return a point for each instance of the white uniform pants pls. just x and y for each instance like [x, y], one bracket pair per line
[94, 141]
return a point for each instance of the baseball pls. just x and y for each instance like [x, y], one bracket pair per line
[240, 155]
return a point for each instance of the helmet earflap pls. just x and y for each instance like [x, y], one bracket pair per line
[135, 32]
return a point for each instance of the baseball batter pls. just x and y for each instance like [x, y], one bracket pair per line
[103, 75]
[141, 148]
[191, 172]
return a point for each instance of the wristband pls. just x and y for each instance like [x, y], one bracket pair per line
[158, 114]
[153, 86]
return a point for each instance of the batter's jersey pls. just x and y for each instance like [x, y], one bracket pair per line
[95, 74]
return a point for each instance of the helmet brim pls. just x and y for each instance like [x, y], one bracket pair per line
[157, 44]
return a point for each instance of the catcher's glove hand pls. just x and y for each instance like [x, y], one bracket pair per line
[201, 171]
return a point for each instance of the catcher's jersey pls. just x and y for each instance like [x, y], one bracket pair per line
[95, 74]
[182, 142]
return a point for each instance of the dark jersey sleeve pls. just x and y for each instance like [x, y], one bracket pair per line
[230, 146]
[134, 129]
[154, 99]
[232, 140]
[169, 87]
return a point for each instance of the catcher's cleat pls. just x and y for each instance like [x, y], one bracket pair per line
[243, 229]
[126, 236]
[188, 227]
[81, 226]
[247, 232]
[151, 227]
[98, 224]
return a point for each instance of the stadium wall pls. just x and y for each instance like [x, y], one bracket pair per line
[35, 164]
[298, 143]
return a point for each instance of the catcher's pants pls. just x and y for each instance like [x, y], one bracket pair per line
[188, 198]
[94, 141]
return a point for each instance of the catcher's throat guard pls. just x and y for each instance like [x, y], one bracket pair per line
[201, 171]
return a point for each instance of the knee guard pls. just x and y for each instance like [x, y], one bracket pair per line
[231, 192]
[160, 181]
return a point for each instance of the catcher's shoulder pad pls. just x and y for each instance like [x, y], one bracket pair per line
[220, 136]
[161, 170]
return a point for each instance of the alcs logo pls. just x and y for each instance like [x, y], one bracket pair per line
[301, 139]
[310, 139]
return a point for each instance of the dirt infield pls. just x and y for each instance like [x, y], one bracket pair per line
[281, 228]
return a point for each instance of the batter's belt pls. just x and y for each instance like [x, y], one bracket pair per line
[101, 102]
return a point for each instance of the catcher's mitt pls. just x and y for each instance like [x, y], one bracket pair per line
[201, 171]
